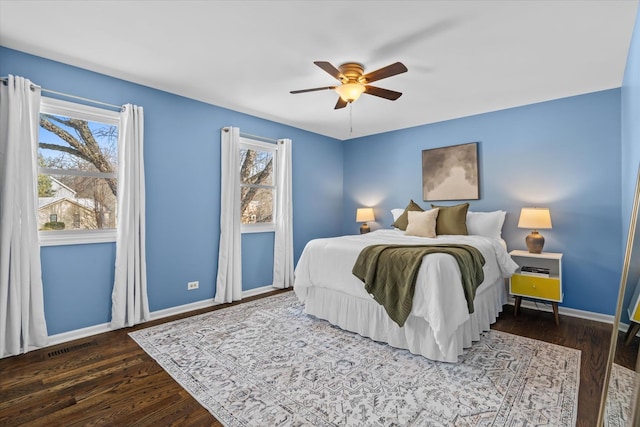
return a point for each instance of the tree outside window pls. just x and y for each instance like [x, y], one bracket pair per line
[78, 159]
[257, 185]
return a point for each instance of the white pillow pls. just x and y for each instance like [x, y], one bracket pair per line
[488, 224]
[396, 213]
[422, 224]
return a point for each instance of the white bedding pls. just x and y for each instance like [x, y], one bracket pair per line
[324, 270]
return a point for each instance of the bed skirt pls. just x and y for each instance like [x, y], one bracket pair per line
[367, 318]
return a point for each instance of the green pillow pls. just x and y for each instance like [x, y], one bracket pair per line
[452, 219]
[403, 220]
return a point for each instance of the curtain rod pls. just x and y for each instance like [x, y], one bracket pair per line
[33, 86]
[248, 135]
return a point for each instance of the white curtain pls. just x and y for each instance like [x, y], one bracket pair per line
[22, 322]
[229, 280]
[283, 242]
[130, 304]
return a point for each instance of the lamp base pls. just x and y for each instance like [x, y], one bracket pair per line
[535, 242]
[364, 229]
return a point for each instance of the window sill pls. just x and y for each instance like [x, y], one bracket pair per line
[257, 228]
[76, 237]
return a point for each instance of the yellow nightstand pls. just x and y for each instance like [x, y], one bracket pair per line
[634, 315]
[536, 286]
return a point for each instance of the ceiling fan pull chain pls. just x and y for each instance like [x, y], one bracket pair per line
[351, 119]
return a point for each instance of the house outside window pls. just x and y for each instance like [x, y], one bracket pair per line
[258, 189]
[78, 173]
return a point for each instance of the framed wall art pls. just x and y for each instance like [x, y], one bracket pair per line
[450, 173]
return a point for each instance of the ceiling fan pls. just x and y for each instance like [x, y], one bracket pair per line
[354, 82]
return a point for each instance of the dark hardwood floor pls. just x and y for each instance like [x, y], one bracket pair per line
[103, 380]
[108, 380]
[590, 337]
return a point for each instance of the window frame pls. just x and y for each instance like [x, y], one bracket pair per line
[254, 144]
[80, 111]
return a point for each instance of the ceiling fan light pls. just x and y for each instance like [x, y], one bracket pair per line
[349, 92]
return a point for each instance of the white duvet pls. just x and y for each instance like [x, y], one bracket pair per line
[439, 297]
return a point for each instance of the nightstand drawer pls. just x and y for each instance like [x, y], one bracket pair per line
[536, 287]
[635, 316]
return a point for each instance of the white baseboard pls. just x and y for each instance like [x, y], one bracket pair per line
[158, 314]
[78, 333]
[167, 312]
[258, 291]
[546, 306]
[179, 309]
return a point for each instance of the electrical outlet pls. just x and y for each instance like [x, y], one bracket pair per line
[193, 285]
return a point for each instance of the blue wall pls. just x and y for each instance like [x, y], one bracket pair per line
[182, 165]
[630, 144]
[563, 154]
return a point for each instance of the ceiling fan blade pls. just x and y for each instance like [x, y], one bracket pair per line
[384, 72]
[312, 90]
[382, 93]
[326, 66]
[340, 104]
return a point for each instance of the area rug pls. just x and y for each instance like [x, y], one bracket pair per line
[619, 396]
[266, 363]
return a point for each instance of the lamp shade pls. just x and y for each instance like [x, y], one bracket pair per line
[364, 215]
[535, 218]
[349, 92]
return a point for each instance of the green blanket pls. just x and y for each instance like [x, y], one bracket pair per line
[389, 273]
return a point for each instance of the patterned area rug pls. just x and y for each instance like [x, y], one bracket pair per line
[619, 395]
[266, 363]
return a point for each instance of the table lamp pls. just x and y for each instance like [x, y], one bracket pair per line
[364, 215]
[535, 218]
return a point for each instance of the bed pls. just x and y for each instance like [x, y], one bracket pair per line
[439, 325]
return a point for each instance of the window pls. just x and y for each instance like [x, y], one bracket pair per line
[78, 173]
[258, 190]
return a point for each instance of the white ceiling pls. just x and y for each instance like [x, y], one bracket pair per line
[464, 57]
